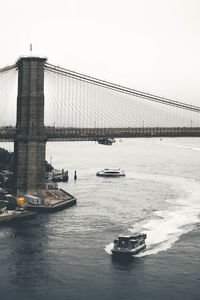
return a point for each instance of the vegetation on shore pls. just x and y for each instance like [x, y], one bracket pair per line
[7, 161]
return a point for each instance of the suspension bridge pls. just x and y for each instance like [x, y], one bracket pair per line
[42, 102]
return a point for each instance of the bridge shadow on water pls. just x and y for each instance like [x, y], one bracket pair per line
[27, 254]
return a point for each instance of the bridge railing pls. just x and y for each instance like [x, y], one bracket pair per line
[7, 133]
[56, 134]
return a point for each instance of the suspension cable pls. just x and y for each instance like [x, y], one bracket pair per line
[122, 89]
[8, 68]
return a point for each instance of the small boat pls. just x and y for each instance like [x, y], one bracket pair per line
[115, 172]
[129, 245]
[106, 141]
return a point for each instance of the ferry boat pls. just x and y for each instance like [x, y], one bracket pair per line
[114, 172]
[129, 245]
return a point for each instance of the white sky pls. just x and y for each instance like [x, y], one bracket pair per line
[150, 45]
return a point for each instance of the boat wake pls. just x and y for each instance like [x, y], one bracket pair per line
[108, 248]
[191, 147]
[166, 226]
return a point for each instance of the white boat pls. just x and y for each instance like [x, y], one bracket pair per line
[130, 245]
[114, 172]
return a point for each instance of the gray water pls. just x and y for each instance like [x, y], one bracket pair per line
[67, 255]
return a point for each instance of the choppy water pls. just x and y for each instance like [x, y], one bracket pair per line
[66, 255]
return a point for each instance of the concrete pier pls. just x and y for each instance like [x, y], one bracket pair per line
[30, 140]
[14, 216]
[58, 199]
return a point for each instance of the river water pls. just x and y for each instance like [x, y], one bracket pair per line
[67, 255]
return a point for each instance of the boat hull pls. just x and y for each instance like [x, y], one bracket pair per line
[126, 252]
[110, 175]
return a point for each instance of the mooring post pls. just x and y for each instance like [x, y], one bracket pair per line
[30, 141]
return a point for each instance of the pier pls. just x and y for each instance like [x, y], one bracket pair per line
[10, 216]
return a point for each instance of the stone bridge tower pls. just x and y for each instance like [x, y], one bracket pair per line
[30, 141]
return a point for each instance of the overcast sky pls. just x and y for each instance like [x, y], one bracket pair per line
[150, 45]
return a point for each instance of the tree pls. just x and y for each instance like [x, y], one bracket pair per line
[7, 161]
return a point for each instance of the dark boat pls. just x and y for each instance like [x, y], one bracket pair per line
[129, 245]
[106, 141]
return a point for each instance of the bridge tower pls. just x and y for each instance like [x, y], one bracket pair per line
[30, 141]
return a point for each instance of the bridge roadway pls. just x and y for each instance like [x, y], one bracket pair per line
[7, 134]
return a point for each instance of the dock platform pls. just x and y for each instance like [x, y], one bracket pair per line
[58, 199]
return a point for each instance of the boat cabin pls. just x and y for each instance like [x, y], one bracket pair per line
[130, 241]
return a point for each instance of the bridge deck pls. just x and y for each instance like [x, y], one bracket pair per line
[7, 134]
